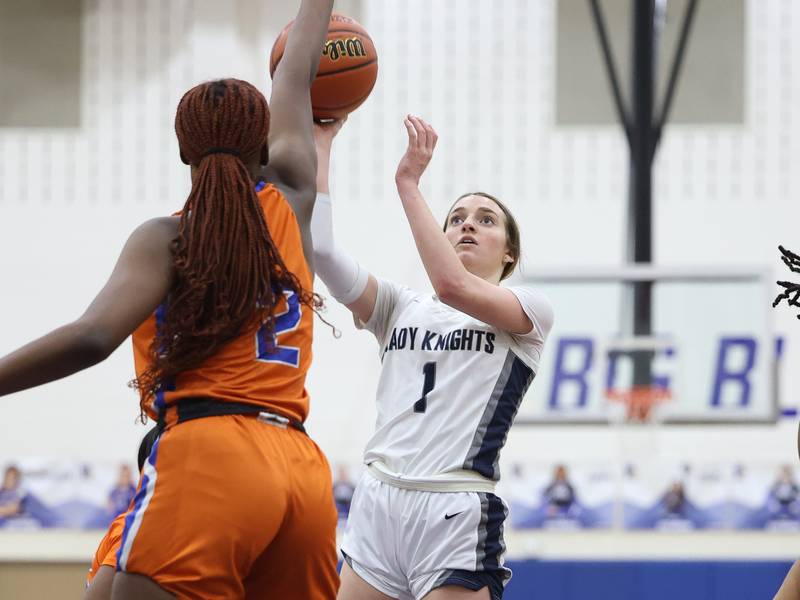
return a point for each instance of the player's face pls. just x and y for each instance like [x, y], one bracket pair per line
[476, 227]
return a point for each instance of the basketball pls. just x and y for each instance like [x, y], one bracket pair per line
[347, 70]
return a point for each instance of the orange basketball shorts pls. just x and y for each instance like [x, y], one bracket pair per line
[106, 554]
[234, 507]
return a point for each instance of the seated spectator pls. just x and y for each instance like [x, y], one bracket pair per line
[674, 510]
[122, 493]
[559, 494]
[11, 494]
[674, 501]
[20, 509]
[784, 495]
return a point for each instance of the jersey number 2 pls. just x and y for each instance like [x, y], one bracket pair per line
[429, 370]
[284, 322]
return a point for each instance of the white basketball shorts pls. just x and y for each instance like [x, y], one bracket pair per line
[406, 543]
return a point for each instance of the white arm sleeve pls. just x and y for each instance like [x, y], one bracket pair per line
[345, 278]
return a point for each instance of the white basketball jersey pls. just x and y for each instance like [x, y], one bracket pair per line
[450, 386]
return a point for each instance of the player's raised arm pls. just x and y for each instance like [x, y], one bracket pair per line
[478, 296]
[140, 281]
[292, 157]
[348, 281]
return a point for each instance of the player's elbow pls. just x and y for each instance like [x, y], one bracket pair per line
[450, 290]
[324, 257]
[92, 342]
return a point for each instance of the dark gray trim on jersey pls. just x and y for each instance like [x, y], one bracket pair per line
[480, 549]
[491, 546]
[490, 436]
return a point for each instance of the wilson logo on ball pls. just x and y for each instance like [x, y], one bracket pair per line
[351, 47]
[348, 68]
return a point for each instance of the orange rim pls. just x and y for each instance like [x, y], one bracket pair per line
[639, 400]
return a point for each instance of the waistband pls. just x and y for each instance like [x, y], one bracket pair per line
[189, 409]
[453, 481]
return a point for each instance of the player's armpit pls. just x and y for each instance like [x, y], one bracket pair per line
[363, 307]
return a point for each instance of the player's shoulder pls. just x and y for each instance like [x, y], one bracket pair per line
[155, 232]
[160, 225]
[537, 307]
[534, 298]
[401, 292]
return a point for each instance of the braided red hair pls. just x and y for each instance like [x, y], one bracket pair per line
[228, 271]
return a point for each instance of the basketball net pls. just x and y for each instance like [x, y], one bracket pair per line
[635, 415]
[638, 402]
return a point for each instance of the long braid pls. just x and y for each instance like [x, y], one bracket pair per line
[229, 273]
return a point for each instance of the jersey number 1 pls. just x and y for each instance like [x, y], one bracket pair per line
[429, 370]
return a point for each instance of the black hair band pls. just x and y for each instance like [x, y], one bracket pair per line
[231, 151]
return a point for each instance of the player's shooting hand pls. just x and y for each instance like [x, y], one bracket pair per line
[422, 140]
[325, 131]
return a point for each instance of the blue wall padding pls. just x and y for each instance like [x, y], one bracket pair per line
[645, 580]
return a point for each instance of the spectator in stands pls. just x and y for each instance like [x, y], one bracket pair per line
[784, 495]
[122, 493]
[20, 509]
[674, 500]
[343, 490]
[675, 509]
[560, 494]
[11, 494]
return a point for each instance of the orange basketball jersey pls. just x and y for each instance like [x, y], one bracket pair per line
[251, 368]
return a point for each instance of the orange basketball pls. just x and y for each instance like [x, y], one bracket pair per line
[347, 70]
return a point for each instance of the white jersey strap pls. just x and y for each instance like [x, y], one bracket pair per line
[452, 481]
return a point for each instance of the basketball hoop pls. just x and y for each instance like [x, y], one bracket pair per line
[639, 401]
